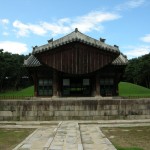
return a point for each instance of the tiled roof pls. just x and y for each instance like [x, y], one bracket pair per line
[120, 60]
[32, 62]
[76, 36]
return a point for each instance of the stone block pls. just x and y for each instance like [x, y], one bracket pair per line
[140, 117]
[142, 107]
[107, 107]
[84, 113]
[145, 112]
[94, 113]
[5, 113]
[25, 147]
[100, 117]
[78, 108]
[100, 107]
[65, 113]
[1, 118]
[113, 112]
[135, 106]
[113, 117]
[63, 108]
[31, 113]
[71, 107]
[114, 107]
[80, 147]
[47, 145]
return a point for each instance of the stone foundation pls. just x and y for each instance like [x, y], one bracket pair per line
[74, 109]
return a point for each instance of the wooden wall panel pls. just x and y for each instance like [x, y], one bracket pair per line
[76, 58]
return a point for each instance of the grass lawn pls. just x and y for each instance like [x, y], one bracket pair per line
[24, 92]
[9, 138]
[129, 89]
[129, 138]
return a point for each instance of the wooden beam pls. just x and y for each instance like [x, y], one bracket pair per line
[55, 84]
[97, 85]
[35, 79]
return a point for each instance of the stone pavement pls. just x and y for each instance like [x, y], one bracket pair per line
[94, 139]
[69, 135]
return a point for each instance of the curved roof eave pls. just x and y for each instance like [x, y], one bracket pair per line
[32, 61]
[120, 60]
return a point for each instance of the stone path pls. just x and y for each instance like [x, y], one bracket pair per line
[66, 136]
[37, 140]
[94, 139]
[69, 135]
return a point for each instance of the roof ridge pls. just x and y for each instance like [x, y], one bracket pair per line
[74, 37]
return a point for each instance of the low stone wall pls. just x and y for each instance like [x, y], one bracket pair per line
[74, 109]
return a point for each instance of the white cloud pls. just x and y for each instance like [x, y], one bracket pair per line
[146, 38]
[5, 33]
[136, 51]
[93, 21]
[86, 23]
[56, 29]
[13, 47]
[130, 4]
[22, 28]
[4, 21]
[25, 29]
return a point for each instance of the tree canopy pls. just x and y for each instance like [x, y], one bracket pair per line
[138, 71]
[11, 70]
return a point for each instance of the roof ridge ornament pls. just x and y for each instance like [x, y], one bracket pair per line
[51, 40]
[76, 30]
[102, 40]
[116, 46]
[34, 47]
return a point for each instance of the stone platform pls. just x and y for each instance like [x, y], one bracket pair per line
[80, 108]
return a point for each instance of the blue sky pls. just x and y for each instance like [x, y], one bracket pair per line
[26, 23]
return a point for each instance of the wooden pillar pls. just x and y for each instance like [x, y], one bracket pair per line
[35, 79]
[97, 84]
[93, 87]
[55, 84]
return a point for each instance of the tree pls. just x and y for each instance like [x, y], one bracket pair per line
[138, 71]
[11, 70]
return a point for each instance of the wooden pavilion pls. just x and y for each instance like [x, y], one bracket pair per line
[76, 65]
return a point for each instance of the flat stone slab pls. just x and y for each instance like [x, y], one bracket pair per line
[94, 139]
[25, 147]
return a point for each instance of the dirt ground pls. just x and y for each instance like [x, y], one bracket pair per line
[129, 136]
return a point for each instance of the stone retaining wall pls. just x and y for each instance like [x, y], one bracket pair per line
[65, 109]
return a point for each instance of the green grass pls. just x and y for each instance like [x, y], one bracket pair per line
[125, 89]
[24, 92]
[9, 138]
[129, 89]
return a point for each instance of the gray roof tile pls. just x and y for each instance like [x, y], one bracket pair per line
[75, 36]
[120, 60]
[32, 61]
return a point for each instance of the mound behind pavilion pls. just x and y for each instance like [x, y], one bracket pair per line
[76, 65]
